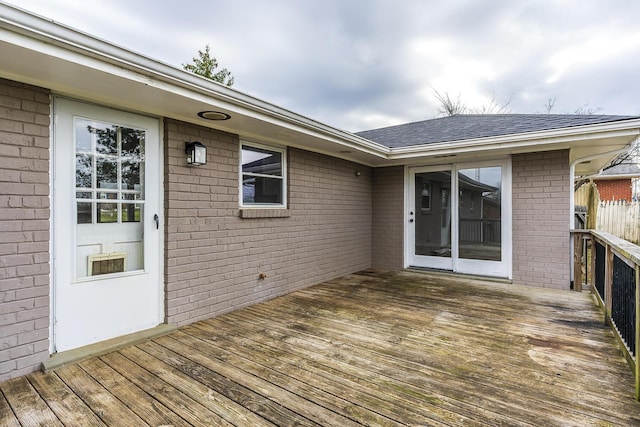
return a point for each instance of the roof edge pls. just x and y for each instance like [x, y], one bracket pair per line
[47, 30]
[629, 127]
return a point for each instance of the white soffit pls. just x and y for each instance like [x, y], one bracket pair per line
[43, 53]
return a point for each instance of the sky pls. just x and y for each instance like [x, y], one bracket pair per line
[366, 64]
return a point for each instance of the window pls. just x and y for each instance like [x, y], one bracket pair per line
[109, 169]
[263, 176]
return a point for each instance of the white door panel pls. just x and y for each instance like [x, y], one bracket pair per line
[107, 245]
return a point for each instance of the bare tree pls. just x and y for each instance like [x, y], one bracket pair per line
[448, 106]
[628, 157]
[586, 110]
[495, 106]
[551, 102]
[453, 106]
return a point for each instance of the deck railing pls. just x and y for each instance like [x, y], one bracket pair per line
[611, 266]
[485, 231]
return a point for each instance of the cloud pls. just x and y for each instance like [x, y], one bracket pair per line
[362, 64]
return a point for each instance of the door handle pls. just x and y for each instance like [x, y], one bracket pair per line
[156, 219]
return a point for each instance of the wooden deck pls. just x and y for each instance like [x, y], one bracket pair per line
[374, 348]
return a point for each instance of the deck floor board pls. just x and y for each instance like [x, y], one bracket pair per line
[375, 348]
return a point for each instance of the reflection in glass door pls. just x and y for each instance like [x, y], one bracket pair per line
[480, 213]
[109, 193]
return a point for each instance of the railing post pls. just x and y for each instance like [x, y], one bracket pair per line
[637, 364]
[592, 272]
[577, 262]
[608, 284]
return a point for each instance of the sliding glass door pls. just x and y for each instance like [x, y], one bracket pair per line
[459, 218]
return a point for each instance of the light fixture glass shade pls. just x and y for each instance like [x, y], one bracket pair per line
[196, 153]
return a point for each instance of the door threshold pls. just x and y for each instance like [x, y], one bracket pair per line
[451, 273]
[64, 358]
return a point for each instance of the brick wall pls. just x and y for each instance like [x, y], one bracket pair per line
[213, 257]
[541, 253]
[388, 214]
[614, 189]
[24, 225]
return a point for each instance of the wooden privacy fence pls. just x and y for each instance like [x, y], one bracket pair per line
[620, 218]
[613, 271]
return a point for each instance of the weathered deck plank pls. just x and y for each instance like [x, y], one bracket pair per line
[67, 406]
[345, 413]
[188, 409]
[28, 406]
[374, 348]
[7, 417]
[140, 402]
[106, 406]
[434, 389]
[266, 363]
[205, 396]
[254, 400]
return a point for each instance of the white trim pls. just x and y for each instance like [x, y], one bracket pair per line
[539, 139]
[38, 37]
[284, 177]
[52, 230]
[81, 327]
[442, 263]
[503, 268]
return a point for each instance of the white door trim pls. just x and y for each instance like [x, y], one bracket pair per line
[62, 229]
[411, 259]
[504, 268]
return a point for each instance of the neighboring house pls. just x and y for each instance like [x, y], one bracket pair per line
[616, 183]
[105, 229]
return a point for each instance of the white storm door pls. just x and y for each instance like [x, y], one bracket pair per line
[430, 218]
[107, 245]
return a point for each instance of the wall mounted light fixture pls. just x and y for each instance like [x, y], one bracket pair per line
[196, 153]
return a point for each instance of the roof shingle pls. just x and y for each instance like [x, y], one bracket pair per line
[472, 126]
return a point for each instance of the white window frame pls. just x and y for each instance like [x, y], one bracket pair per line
[283, 178]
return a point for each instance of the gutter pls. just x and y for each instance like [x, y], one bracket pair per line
[572, 199]
[56, 34]
[572, 177]
[162, 76]
[523, 140]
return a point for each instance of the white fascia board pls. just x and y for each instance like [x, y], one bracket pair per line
[46, 36]
[33, 32]
[544, 140]
[612, 177]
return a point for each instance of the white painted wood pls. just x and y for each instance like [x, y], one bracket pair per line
[90, 309]
[414, 259]
[502, 268]
[620, 218]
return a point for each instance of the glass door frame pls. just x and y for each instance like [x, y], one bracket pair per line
[413, 259]
[502, 268]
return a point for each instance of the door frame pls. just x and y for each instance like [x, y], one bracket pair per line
[439, 263]
[502, 269]
[155, 252]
